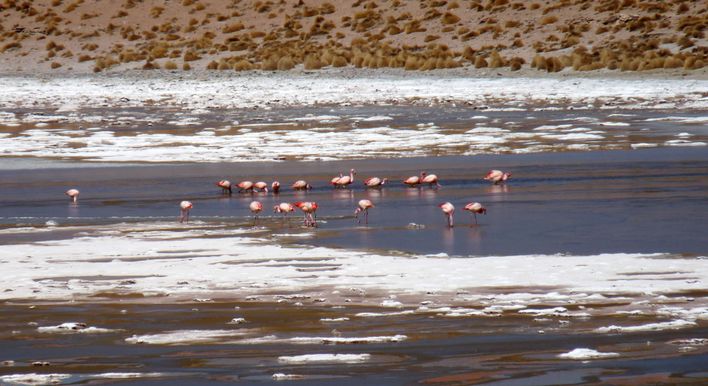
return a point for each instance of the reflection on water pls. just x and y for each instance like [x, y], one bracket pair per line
[579, 203]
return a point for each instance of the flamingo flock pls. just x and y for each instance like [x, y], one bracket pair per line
[309, 208]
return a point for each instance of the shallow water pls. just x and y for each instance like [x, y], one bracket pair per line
[438, 350]
[645, 201]
[576, 203]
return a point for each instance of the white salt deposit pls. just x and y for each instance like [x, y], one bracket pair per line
[683, 142]
[199, 95]
[348, 340]
[383, 314]
[325, 358]
[287, 377]
[333, 320]
[128, 375]
[182, 337]
[671, 325]
[206, 264]
[643, 145]
[33, 379]
[252, 90]
[73, 327]
[586, 353]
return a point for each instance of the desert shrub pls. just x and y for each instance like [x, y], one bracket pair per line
[285, 63]
[450, 18]
[548, 20]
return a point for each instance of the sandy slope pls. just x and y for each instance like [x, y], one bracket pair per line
[85, 36]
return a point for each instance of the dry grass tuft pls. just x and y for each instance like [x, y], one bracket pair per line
[285, 63]
[242, 65]
[549, 20]
[191, 56]
[450, 18]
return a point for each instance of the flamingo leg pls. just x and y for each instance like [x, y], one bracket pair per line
[366, 216]
[475, 218]
[450, 220]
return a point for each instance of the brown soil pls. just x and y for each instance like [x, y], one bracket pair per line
[93, 36]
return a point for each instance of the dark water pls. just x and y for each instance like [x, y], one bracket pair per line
[450, 351]
[650, 200]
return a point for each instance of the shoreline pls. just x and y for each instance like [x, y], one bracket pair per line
[266, 90]
[354, 72]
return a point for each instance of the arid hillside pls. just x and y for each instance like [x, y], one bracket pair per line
[84, 36]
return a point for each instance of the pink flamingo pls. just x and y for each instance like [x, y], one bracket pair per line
[474, 208]
[261, 186]
[184, 208]
[335, 179]
[344, 181]
[245, 186]
[73, 194]
[225, 186]
[413, 180]
[497, 176]
[430, 179]
[275, 187]
[363, 206]
[284, 208]
[301, 185]
[256, 207]
[375, 182]
[449, 210]
[309, 208]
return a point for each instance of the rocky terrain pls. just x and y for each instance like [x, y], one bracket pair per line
[99, 35]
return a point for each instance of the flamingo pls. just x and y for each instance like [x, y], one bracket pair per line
[261, 186]
[344, 181]
[225, 186]
[335, 179]
[184, 208]
[363, 206]
[417, 180]
[73, 194]
[256, 207]
[245, 186]
[301, 185]
[497, 176]
[375, 182]
[283, 208]
[309, 208]
[430, 179]
[474, 208]
[275, 187]
[449, 210]
[412, 181]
